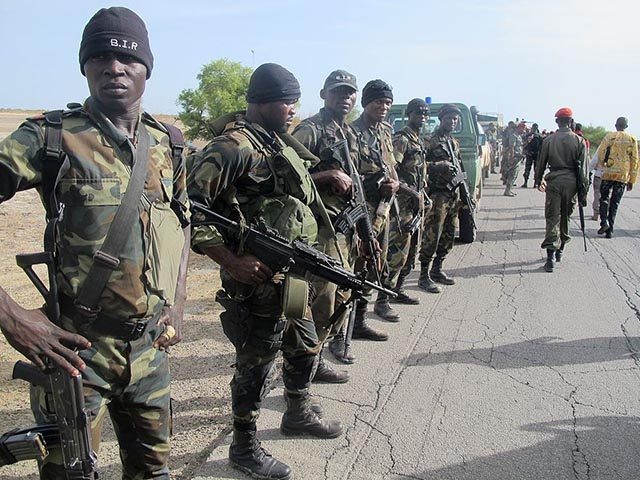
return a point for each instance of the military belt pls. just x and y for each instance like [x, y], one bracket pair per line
[127, 330]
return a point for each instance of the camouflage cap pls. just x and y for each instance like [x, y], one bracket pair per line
[340, 78]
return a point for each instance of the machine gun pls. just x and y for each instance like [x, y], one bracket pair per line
[71, 432]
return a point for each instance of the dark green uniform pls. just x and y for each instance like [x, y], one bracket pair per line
[126, 375]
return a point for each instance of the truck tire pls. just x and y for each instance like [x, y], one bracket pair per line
[466, 232]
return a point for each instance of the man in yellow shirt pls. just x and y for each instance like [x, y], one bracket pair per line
[618, 159]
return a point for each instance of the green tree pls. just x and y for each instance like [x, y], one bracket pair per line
[594, 135]
[222, 86]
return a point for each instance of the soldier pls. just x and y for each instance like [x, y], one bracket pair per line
[618, 159]
[565, 154]
[376, 165]
[248, 174]
[121, 329]
[531, 149]
[409, 151]
[513, 158]
[321, 134]
[443, 157]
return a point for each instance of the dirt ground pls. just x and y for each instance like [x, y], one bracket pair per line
[201, 364]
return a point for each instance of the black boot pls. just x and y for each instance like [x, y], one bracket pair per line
[363, 331]
[337, 348]
[548, 266]
[402, 296]
[384, 310]
[425, 282]
[246, 454]
[326, 374]
[300, 419]
[438, 275]
[559, 253]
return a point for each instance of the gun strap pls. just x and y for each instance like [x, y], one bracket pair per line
[107, 258]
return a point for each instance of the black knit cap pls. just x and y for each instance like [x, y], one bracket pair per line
[448, 109]
[117, 30]
[417, 104]
[374, 90]
[271, 82]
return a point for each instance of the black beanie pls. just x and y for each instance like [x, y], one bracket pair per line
[374, 90]
[448, 109]
[271, 82]
[415, 105]
[117, 30]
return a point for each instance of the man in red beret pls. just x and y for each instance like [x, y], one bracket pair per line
[565, 153]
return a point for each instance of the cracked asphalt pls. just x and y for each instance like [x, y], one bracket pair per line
[512, 373]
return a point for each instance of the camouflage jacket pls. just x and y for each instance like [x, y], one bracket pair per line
[100, 161]
[235, 175]
[319, 133]
[443, 151]
[409, 151]
[375, 148]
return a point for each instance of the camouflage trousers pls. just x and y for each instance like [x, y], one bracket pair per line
[560, 200]
[381, 230]
[403, 246]
[510, 171]
[266, 331]
[327, 295]
[130, 381]
[440, 227]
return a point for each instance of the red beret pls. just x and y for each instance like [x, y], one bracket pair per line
[564, 112]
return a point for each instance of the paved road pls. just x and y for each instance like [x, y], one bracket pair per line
[513, 373]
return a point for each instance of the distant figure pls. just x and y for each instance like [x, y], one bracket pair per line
[618, 158]
[512, 158]
[531, 150]
[565, 153]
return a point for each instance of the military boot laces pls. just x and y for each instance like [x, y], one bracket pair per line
[437, 275]
[300, 419]
[548, 266]
[384, 310]
[425, 282]
[326, 374]
[337, 348]
[247, 455]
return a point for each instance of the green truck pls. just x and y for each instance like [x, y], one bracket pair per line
[475, 152]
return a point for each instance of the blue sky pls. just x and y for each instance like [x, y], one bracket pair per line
[522, 58]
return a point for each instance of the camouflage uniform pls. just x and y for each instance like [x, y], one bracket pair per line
[409, 153]
[375, 148]
[129, 377]
[319, 133]
[512, 160]
[235, 175]
[440, 224]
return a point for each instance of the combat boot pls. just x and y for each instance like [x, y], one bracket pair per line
[247, 455]
[300, 419]
[401, 295]
[548, 266]
[337, 348]
[384, 310]
[363, 331]
[425, 282]
[437, 275]
[326, 374]
[559, 253]
[525, 184]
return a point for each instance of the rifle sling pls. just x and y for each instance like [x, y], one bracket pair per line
[107, 258]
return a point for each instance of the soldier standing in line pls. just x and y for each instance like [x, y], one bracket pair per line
[443, 164]
[376, 165]
[121, 329]
[513, 158]
[247, 173]
[565, 154]
[531, 150]
[618, 159]
[409, 151]
[322, 134]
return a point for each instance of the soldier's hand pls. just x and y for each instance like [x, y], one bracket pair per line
[543, 186]
[171, 319]
[389, 187]
[629, 187]
[341, 183]
[31, 333]
[248, 269]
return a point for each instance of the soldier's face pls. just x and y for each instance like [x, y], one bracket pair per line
[418, 118]
[449, 122]
[278, 115]
[340, 100]
[377, 109]
[116, 81]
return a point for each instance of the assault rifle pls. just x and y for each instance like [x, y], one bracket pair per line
[71, 432]
[460, 181]
[582, 202]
